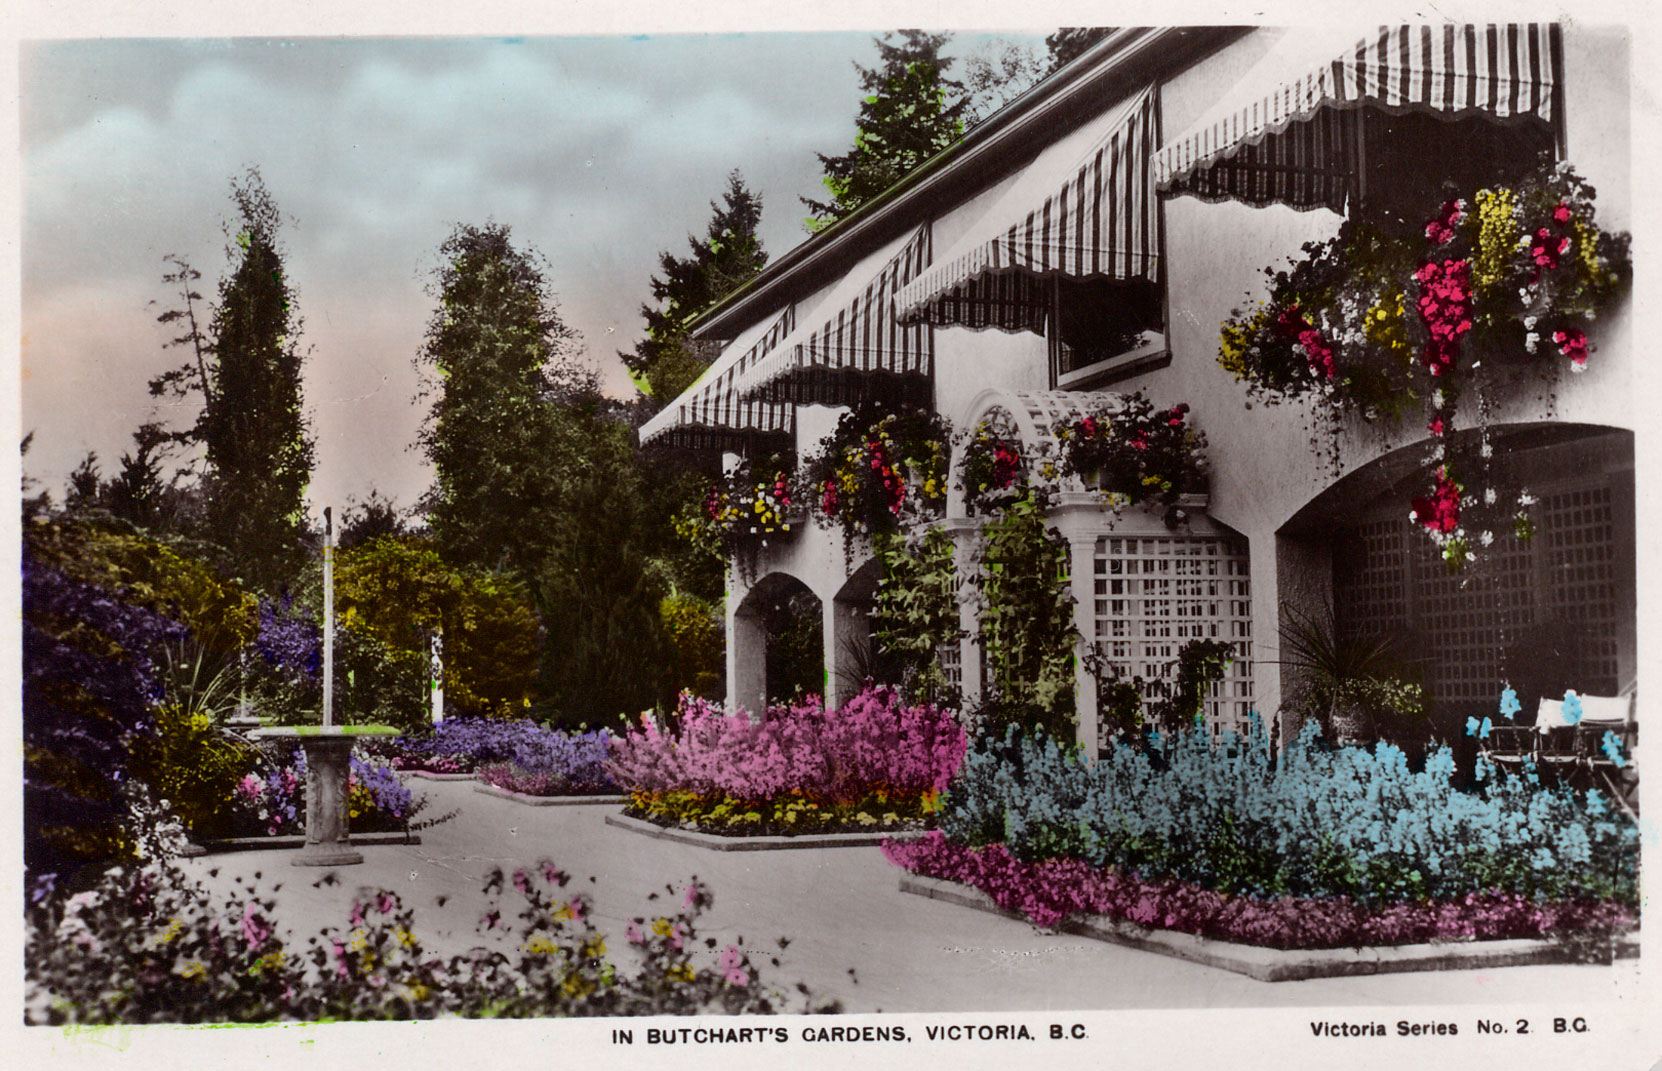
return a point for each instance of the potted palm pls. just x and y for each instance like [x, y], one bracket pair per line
[1351, 683]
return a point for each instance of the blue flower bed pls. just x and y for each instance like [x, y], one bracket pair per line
[1349, 822]
[521, 756]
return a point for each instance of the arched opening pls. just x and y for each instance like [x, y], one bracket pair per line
[779, 629]
[1547, 607]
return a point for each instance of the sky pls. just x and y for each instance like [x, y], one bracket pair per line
[597, 151]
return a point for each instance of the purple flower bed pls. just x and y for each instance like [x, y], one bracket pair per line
[1051, 890]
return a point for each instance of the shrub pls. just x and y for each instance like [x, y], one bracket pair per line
[875, 746]
[1318, 823]
[148, 944]
[270, 800]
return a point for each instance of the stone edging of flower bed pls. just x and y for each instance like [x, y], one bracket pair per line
[543, 801]
[753, 844]
[1275, 964]
[297, 840]
[428, 776]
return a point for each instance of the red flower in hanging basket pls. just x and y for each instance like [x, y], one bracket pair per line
[1440, 512]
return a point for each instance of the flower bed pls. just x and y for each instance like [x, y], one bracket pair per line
[874, 764]
[149, 944]
[462, 745]
[1226, 840]
[1051, 890]
[554, 764]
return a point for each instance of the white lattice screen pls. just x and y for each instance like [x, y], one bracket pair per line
[950, 657]
[1548, 608]
[1155, 593]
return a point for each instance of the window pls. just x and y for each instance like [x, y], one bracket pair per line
[1099, 327]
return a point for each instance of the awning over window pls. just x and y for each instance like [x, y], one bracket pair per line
[851, 346]
[1286, 132]
[710, 414]
[1084, 208]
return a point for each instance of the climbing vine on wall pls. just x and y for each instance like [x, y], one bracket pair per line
[916, 610]
[1027, 623]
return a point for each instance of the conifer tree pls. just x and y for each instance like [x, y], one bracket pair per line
[729, 255]
[911, 112]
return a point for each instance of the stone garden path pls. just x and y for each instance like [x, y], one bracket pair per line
[854, 935]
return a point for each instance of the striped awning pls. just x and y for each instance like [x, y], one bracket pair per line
[1084, 208]
[1286, 132]
[852, 347]
[710, 414]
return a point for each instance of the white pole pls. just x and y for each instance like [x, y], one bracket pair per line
[437, 667]
[328, 617]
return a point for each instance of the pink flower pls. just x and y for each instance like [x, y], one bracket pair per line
[633, 933]
[551, 874]
[255, 930]
[1440, 512]
[731, 958]
[522, 881]
[737, 977]
[384, 903]
[357, 915]
[1561, 214]
[691, 896]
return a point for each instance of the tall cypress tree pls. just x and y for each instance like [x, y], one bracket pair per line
[257, 445]
[666, 362]
[911, 112]
[498, 345]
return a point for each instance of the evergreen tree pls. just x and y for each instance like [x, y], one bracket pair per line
[136, 493]
[911, 112]
[729, 255]
[84, 484]
[500, 350]
[247, 368]
[1070, 42]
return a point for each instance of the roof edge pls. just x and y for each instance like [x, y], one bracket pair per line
[1112, 65]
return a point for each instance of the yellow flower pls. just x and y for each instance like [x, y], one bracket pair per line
[595, 948]
[576, 986]
[405, 937]
[661, 927]
[541, 945]
[193, 969]
[682, 973]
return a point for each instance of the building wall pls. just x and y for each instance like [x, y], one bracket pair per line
[1267, 461]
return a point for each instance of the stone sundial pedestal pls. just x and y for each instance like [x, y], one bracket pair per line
[328, 751]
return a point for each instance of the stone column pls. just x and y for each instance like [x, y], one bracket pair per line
[747, 660]
[965, 532]
[327, 767]
[1079, 518]
[847, 639]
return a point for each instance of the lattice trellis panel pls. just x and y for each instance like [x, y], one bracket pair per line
[1392, 582]
[1155, 593]
[1580, 531]
[950, 656]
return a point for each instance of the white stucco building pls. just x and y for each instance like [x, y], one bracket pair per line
[1149, 183]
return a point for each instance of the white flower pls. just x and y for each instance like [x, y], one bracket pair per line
[1488, 538]
[1437, 399]
[1525, 498]
[1529, 323]
[1578, 367]
[1531, 340]
[1488, 496]
[1487, 449]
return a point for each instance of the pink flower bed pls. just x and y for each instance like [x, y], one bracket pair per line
[874, 743]
[1051, 890]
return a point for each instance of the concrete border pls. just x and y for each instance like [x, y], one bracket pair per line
[543, 801]
[426, 775]
[1274, 964]
[298, 840]
[717, 842]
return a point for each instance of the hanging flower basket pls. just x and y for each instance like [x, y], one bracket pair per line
[754, 502]
[1137, 455]
[1387, 326]
[995, 470]
[883, 467]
